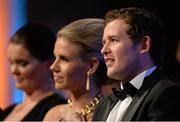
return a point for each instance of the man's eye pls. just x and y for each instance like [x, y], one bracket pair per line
[103, 42]
[114, 40]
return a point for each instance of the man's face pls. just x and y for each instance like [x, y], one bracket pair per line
[121, 55]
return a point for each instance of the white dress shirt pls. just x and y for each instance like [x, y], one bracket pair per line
[120, 108]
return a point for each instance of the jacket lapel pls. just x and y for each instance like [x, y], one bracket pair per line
[133, 107]
[104, 107]
[148, 84]
[113, 100]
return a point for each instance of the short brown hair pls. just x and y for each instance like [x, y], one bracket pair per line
[142, 22]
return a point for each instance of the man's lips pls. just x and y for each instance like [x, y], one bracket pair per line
[109, 61]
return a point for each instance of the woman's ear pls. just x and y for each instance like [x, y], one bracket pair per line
[145, 44]
[93, 65]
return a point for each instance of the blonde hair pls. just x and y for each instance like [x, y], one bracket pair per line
[87, 33]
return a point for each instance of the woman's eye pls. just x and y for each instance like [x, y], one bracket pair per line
[63, 58]
[23, 63]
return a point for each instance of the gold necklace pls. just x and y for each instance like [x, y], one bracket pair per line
[90, 107]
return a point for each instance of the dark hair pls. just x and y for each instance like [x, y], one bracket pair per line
[142, 22]
[39, 39]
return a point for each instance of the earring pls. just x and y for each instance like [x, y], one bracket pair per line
[87, 82]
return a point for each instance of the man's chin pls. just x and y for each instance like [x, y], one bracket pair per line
[113, 75]
[110, 74]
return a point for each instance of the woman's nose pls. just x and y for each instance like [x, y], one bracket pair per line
[54, 67]
[14, 69]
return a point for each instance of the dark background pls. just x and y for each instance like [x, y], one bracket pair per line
[58, 13]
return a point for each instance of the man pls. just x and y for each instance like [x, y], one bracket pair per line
[133, 48]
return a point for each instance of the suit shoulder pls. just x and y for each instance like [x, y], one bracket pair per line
[165, 89]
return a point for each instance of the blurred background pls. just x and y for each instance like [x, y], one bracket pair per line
[57, 13]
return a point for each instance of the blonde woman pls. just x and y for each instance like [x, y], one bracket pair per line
[79, 68]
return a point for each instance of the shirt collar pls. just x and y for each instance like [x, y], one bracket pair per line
[138, 80]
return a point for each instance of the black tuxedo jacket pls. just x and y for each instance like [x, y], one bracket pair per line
[157, 99]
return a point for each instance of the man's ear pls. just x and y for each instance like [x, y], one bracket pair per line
[93, 65]
[145, 44]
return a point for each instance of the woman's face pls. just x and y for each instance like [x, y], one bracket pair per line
[69, 69]
[28, 71]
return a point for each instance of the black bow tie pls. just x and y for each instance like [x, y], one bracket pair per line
[128, 89]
